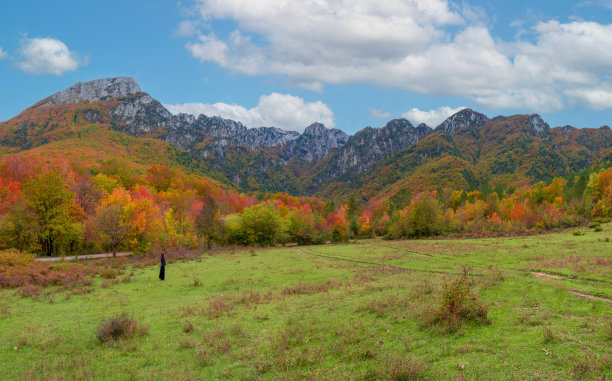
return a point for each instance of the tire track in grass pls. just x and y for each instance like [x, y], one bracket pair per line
[546, 277]
[381, 265]
[537, 273]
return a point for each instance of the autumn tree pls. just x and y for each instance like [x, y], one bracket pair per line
[207, 221]
[111, 226]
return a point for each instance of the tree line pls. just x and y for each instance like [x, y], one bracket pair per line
[60, 209]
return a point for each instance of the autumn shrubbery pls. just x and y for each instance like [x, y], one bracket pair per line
[18, 270]
[12, 257]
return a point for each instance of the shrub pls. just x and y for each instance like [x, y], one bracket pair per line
[594, 225]
[30, 290]
[577, 233]
[12, 257]
[121, 326]
[458, 304]
[109, 273]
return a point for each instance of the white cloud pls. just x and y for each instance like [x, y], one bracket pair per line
[425, 46]
[432, 117]
[274, 110]
[47, 56]
[379, 114]
[3, 54]
[186, 28]
[595, 98]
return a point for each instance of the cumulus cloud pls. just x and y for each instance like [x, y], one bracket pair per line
[47, 56]
[3, 54]
[432, 117]
[274, 110]
[379, 114]
[427, 46]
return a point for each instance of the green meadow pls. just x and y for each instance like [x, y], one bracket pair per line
[362, 311]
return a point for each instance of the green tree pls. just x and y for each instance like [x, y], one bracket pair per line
[48, 198]
[423, 217]
[16, 228]
[260, 224]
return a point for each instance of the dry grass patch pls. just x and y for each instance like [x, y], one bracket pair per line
[121, 326]
[312, 288]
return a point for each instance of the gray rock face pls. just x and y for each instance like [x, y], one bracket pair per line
[95, 90]
[465, 117]
[537, 124]
[370, 145]
[142, 114]
[316, 142]
[423, 130]
[238, 134]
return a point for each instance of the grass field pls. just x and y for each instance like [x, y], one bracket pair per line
[357, 311]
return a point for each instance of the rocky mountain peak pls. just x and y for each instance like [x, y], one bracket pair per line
[423, 130]
[399, 124]
[317, 129]
[537, 124]
[316, 142]
[97, 89]
[465, 117]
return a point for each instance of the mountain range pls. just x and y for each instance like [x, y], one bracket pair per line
[112, 117]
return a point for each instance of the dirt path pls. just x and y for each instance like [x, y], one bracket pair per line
[549, 277]
[86, 256]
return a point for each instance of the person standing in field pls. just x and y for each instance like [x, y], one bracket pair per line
[162, 268]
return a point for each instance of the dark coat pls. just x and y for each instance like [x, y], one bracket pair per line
[162, 269]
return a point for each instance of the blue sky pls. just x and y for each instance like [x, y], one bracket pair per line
[346, 63]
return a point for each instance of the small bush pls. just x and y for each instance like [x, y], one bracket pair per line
[594, 225]
[577, 233]
[30, 290]
[109, 273]
[597, 229]
[458, 304]
[197, 283]
[121, 326]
